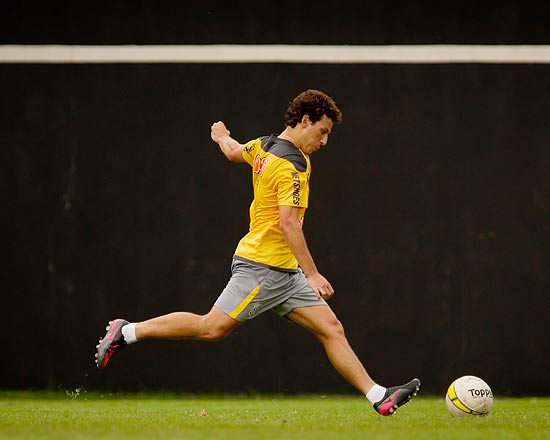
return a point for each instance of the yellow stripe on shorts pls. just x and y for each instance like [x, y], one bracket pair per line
[244, 303]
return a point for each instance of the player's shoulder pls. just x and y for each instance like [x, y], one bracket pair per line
[284, 149]
[252, 145]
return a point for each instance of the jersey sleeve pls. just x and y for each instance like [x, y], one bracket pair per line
[293, 187]
[250, 150]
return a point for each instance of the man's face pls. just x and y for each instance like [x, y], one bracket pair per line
[314, 135]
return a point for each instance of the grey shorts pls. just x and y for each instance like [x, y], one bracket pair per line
[253, 289]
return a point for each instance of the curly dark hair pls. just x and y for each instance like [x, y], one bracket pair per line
[315, 104]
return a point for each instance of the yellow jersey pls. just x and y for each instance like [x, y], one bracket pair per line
[280, 176]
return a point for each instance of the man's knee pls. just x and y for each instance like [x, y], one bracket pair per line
[321, 321]
[335, 328]
[329, 329]
[216, 327]
[215, 333]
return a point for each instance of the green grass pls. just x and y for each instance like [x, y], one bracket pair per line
[28, 415]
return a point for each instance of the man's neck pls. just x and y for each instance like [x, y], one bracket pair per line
[290, 135]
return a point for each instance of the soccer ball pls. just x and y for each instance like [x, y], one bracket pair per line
[469, 396]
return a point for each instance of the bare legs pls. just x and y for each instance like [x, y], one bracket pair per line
[216, 325]
[213, 326]
[322, 322]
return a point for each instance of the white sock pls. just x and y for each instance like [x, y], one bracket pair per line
[129, 333]
[375, 394]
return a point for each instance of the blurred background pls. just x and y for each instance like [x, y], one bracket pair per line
[429, 210]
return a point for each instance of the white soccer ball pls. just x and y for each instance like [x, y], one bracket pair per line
[469, 396]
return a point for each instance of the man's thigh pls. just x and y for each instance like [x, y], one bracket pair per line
[318, 319]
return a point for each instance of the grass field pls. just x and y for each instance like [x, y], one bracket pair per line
[77, 415]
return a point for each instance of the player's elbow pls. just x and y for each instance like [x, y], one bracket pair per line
[234, 155]
[286, 225]
[233, 151]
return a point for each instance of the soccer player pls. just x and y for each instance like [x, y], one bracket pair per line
[272, 268]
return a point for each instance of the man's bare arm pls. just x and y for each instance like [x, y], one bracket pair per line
[292, 230]
[232, 149]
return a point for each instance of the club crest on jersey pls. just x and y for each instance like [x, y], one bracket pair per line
[259, 164]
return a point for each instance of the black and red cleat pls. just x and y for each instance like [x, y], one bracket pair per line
[396, 397]
[111, 344]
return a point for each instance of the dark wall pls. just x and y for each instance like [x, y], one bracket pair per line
[429, 209]
[429, 214]
[281, 22]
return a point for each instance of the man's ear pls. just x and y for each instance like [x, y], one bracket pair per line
[305, 121]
